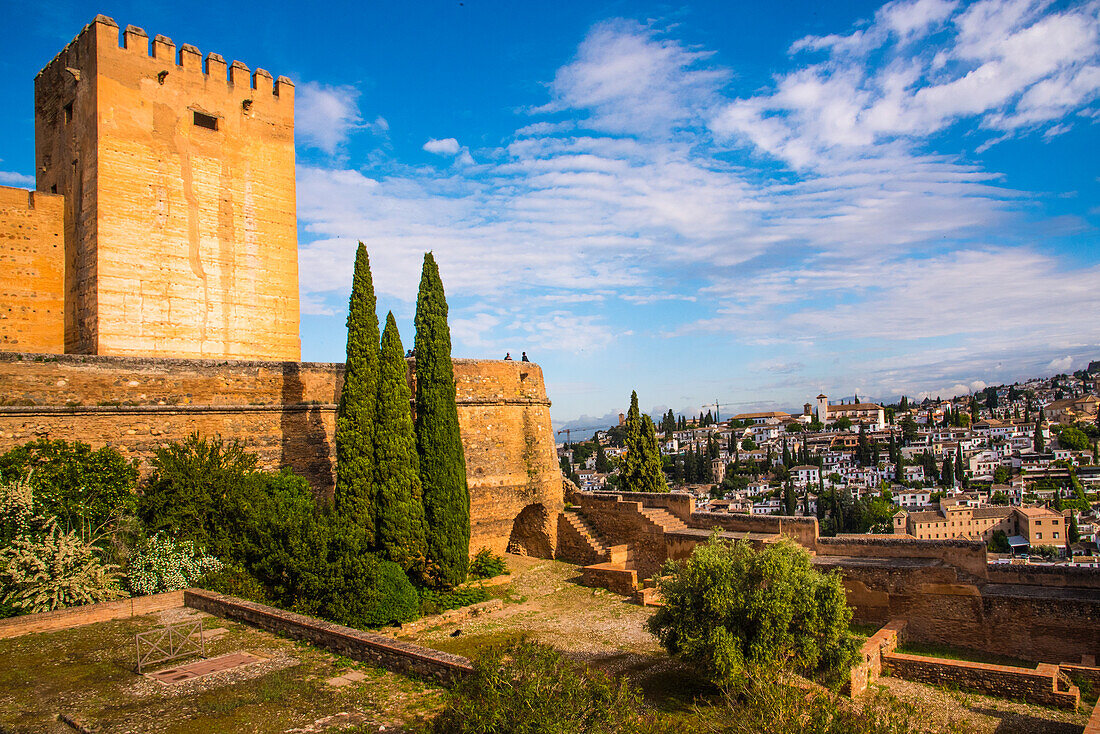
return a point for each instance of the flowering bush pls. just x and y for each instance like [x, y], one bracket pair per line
[17, 515]
[55, 570]
[162, 564]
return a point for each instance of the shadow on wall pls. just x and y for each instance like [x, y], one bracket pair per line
[305, 444]
[533, 533]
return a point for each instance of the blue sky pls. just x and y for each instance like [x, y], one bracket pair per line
[749, 202]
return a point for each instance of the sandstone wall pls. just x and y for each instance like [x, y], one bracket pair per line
[178, 173]
[32, 271]
[285, 412]
[966, 555]
[621, 522]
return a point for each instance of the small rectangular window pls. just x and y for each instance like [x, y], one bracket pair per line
[53, 189]
[68, 111]
[207, 121]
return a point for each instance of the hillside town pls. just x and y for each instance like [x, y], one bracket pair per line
[1014, 465]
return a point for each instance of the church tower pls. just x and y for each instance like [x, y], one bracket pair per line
[178, 179]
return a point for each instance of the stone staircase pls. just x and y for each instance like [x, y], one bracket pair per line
[595, 549]
[663, 519]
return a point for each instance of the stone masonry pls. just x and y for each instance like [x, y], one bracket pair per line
[286, 412]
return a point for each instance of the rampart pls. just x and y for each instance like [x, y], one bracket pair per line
[32, 271]
[286, 412]
[62, 619]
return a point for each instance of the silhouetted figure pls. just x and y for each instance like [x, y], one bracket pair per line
[525, 357]
[508, 356]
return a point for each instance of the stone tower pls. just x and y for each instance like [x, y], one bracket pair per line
[178, 179]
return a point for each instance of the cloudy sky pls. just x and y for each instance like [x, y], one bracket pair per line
[748, 202]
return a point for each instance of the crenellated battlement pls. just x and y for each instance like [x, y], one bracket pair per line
[103, 34]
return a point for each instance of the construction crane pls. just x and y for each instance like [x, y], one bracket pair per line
[717, 407]
[568, 431]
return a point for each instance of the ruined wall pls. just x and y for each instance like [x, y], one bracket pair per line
[803, 530]
[621, 522]
[32, 271]
[1041, 685]
[285, 412]
[178, 174]
[966, 555]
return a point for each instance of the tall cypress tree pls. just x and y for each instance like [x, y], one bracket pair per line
[442, 462]
[400, 514]
[1040, 443]
[641, 467]
[355, 417]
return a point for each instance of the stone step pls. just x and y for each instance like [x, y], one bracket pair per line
[620, 553]
[590, 535]
[664, 518]
[648, 597]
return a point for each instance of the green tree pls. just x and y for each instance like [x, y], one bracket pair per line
[843, 423]
[1073, 438]
[603, 466]
[641, 467]
[1002, 474]
[400, 507]
[1074, 531]
[790, 502]
[998, 542]
[439, 444]
[947, 476]
[89, 492]
[730, 610]
[1040, 443]
[355, 416]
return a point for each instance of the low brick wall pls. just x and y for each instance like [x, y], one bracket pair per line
[1093, 727]
[869, 667]
[1040, 685]
[1083, 673]
[610, 576]
[89, 614]
[803, 530]
[378, 650]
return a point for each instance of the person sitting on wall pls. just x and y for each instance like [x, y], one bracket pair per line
[525, 357]
[508, 356]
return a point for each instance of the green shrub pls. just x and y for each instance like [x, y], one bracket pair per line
[162, 564]
[730, 609]
[56, 570]
[87, 491]
[17, 511]
[234, 581]
[433, 601]
[528, 687]
[486, 565]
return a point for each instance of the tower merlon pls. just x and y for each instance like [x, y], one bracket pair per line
[135, 39]
[164, 49]
[240, 77]
[284, 88]
[215, 66]
[190, 58]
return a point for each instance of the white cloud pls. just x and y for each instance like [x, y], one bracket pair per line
[446, 146]
[1063, 364]
[12, 178]
[927, 262]
[325, 115]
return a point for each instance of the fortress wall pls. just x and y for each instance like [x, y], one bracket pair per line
[803, 530]
[32, 271]
[1057, 576]
[966, 555]
[679, 504]
[179, 174]
[286, 412]
[1036, 623]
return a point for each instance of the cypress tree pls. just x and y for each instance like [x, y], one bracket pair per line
[1040, 443]
[603, 465]
[947, 476]
[641, 467]
[789, 502]
[438, 443]
[355, 417]
[400, 515]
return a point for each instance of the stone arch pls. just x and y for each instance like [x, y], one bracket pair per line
[533, 532]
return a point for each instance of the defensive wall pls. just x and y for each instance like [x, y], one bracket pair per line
[944, 589]
[32, 271]
[177, 173]
[286, 413]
